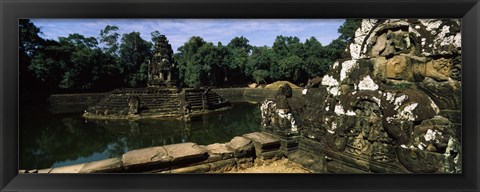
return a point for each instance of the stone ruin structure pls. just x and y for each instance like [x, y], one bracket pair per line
[392, 106]
[162, 98]
[162, 70]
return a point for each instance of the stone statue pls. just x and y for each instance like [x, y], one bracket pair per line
[133, 105]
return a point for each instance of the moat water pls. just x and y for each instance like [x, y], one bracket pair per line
[54, 140]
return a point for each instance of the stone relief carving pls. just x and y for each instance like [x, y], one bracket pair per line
[393, 107]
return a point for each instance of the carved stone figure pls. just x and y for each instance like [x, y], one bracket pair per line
[394, 105]
[133, 105]
[392, 43]
[398, 68]
[439, 69]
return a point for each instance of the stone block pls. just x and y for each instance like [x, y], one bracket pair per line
[309, 160]
[263, 142]
[439, 69]
[222, 150]
[193, 169]
[271, 154]
[186, 153]
[153, 156]
[214, 158]
[223, 165]
[68, 169]
[399, 68]
[337, 167]
[103, 166]
[33, 171]
[241, 146]
[243, 163]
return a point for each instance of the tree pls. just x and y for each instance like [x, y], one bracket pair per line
[30, 43]
[348, 28]
[29, 39]
[134, 56]
[212, 59]
[260, 75]
[259, 62]
[240, 43]
[317, 58]
[155, 36]
[347, 34]
[109, 36]
[292, 69]
[236, 61]
[189, 68]
[74, 63]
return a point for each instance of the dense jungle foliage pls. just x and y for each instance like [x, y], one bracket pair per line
[111, 60]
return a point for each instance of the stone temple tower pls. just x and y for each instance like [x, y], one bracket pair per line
[162, 71]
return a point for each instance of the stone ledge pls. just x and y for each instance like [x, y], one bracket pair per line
[263, 142]
[219, 151]
[68, 169]
[203, 168]
[186, 152]
[241, 146]
[103, 166]
[183, 158]
[153, 156]
[222, 165]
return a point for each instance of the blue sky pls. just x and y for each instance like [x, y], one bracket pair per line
[258, 31]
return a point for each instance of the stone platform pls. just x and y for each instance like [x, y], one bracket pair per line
[241, 152]
[153, 102]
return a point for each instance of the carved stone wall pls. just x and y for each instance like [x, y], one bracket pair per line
[393, 106]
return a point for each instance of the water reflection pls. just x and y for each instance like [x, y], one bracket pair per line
[48, 140]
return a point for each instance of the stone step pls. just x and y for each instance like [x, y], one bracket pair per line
[263, 141]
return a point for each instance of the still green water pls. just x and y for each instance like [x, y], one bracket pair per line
[54, 140]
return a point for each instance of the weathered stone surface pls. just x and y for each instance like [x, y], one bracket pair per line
[22, 171]
[271, 154]
[222, 150]
[182, 152]
[455, 116]
[243, 163]
[222, 165]
[378, 110]
[203, 168]
[439, 69]
[162, 70]
[337, 167]
[309, 160]
[398, 68]
[446, 95]
[103, 166]
[263, 141]
[146, 157]
[68, 169]
[241, 146]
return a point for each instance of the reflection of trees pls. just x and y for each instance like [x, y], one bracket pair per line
[215, 127]
[242, 118]
[46, 139]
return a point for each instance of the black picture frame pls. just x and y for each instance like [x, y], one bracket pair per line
[11, 11]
